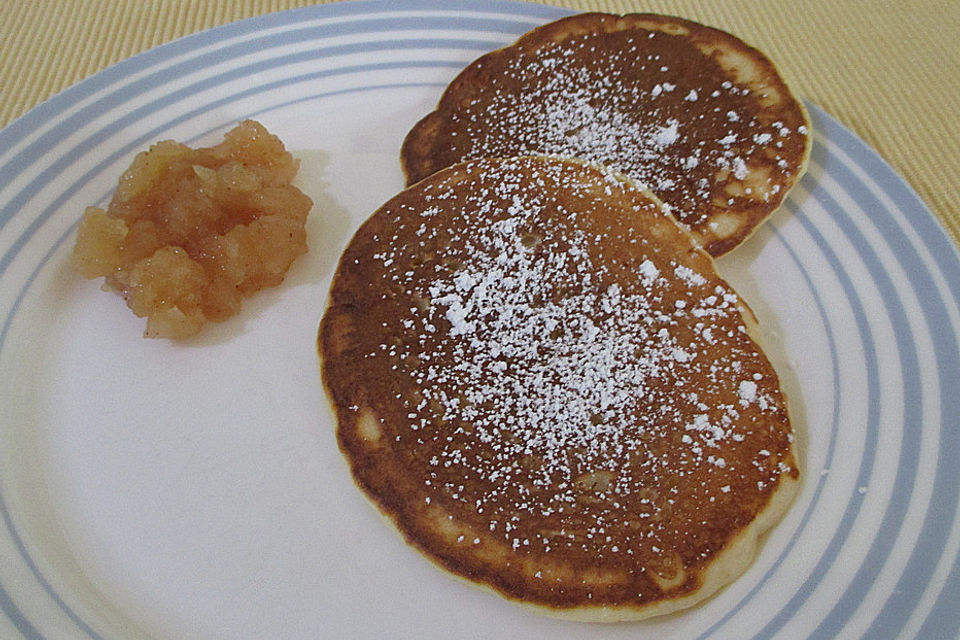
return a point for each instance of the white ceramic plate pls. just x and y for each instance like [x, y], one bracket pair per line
[150, 489]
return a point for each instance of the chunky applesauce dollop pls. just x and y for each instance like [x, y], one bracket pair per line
[189, 233]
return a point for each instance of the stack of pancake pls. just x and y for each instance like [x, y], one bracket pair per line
[537, 372]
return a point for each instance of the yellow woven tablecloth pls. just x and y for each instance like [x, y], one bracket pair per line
[890, 71]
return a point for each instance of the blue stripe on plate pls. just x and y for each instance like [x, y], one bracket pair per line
[52, 109]
[834, 622]
[126, 94]
[13, 614]
[941, 519]
[789, 205]
[124, 91]
[943, 620]
[927, 227]
[71, 157]
[865, 336]
[7, 603]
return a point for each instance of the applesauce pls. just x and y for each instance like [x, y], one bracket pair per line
[189, 233]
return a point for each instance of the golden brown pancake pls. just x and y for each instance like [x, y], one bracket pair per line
[543, 382]
[693, 113]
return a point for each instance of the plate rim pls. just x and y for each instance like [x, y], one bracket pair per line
[937, 241]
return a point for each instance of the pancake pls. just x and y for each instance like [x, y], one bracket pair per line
[541, 380]
[700, 118]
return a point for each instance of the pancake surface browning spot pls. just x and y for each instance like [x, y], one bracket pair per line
[568, 407]
[700, 118]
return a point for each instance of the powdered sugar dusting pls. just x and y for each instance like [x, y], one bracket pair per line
[552, 380]
[568, 388]
[646, 103]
